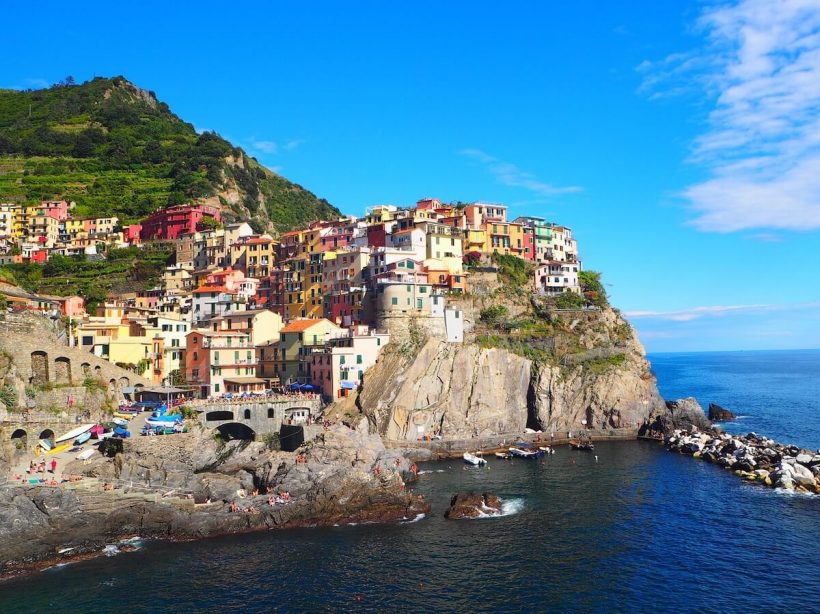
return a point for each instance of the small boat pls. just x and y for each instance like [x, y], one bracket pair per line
[82, 438]
[122, 433]
[122, 416]
[472, 459]
[546, 449]
[86, 454]
[527, 454]
[97, 430]
[60, 448]
[504, 455]
[120, 421]
[74, 433]
[46, 444]
[584, 446]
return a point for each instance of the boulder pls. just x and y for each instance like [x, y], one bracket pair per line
[685, 413]
[802, 475]
[804, 459]
[720, 414]
[472, 505]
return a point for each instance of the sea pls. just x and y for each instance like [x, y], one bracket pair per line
[637, 529]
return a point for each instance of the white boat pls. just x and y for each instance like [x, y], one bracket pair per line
[546, 449]
[46, 444]
[74, 433]
[523, 453]
[504, 455]
[86, 454]
[472, 459]
[120, 421]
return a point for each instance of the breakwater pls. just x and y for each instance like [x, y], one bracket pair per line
[753, 457]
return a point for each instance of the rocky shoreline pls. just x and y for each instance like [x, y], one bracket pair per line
[193, 487]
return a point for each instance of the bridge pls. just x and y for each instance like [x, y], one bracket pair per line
[252, 418]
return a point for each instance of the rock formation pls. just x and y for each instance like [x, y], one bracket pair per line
[471, 505]
[459, 391]
[720, 414]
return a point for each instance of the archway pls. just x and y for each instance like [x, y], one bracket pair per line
[86, 367]
[97, 371]
[62, 370]
[39, 368]
[112, 387]
[247, 414]
[46, 434]
[124, 383]
[216, 416]
[19, 439]
[235, 430]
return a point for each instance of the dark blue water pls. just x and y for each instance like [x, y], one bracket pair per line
[640, 530]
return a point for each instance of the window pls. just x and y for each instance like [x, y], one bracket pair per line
[394, 301]
[236, 356]
[341, 360]
[247, 414]
[423, 289]
[419, 303]
[270, 412]
[216, 387]
[196, 356]
[194, 373]
[358, 359]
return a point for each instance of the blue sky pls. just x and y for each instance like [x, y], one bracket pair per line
[678, 139]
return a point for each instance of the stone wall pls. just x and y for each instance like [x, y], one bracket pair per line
[262, 417]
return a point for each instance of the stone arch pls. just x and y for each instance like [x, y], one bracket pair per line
[112, 387]
[86, 367]
[214, 416]
[62, 370]
[98, 371]
[19, 439]
[247, 414]
[39, 368]
[236, 430]
[46, 434]
[123, 382]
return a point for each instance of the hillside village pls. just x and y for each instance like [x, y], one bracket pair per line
[241, 313]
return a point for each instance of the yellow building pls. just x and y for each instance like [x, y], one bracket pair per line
[296, 343]
[475, 240]
[9, 214]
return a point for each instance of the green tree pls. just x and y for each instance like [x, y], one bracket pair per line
[593, 288]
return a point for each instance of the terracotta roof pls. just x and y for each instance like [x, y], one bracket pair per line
[298, 326]
[206, 289]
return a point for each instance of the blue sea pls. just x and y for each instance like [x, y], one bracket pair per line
[640, 530]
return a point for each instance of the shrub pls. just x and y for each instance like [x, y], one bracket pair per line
[493, 315]
[569, 300]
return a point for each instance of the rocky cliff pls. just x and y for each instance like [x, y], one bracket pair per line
[461, 391]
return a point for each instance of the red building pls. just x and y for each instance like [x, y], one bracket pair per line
[174, 221]
[131, 234]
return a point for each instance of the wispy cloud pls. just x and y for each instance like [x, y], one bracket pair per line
[269, 147]
[761, 68]
[293, 144]
[696, 313]
[510, 175]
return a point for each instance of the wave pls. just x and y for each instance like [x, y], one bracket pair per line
[423, 471]
[110, 550]
[508, 508]
[416, 519]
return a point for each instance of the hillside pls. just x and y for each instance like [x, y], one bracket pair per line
[115, 149]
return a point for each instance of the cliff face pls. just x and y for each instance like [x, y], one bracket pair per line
[462, 391]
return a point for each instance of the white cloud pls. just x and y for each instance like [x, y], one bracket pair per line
[696, 313]
[293, 144]
[510, 175]
[269, 147]
[761, 67]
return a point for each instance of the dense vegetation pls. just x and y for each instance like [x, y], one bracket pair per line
[115, 149]
[122, 270]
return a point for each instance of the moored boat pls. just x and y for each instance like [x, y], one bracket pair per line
[120, 421]
[473, 459]
[504, 455]
[584, 446]
[86, 454]
[522, 452]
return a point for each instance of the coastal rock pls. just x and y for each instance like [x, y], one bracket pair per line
[472, 505]
[681, 414]
[802, 475]
[461, 391]
[720, 414]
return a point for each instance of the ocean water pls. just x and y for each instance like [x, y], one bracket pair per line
[639, 530]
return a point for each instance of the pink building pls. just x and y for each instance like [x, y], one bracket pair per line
[171, 222]
[72, 306]
[58, 209]
[131, 234]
